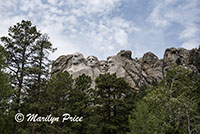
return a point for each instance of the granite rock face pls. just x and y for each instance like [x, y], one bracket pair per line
[137, 72]
[152, 66]
[182, 57]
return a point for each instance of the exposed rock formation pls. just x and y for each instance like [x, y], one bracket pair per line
[78, 66]
[180, 56]
[136, 72]
[152, 66]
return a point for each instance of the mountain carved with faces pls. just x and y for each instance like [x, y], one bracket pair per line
[137, 72]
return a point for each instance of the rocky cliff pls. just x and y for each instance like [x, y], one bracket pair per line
[136, 72]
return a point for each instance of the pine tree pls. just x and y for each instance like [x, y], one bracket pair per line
[19, 46]
[56, 102]
[40, 65]
[82, 104]
[38, 77]
[5, 95]
[114, 101]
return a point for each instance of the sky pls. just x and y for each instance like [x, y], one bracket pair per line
[104, 27]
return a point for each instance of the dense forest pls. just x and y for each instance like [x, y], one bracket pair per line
[171, 106]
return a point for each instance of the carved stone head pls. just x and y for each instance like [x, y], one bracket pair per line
[171, 55]
[91, 61]
[77, 58]
[111, 61]
[103, 66]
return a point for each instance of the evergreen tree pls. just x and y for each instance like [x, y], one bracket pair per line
[114, 101]
[19, 46]
[64, 95]
[5, 95]
[40, 65]
[82, 104]
[56, 102]
[38, 77]
[3, 58]
[172, 107]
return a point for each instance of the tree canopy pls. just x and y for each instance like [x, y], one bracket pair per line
[172, 107]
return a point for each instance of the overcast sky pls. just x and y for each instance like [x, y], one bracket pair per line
[104, 27]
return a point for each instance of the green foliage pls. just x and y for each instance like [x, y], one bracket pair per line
[27, 51]
[64, 95]
[55, 101]
[5, 95]
[39, 73]
[81, 104]
[101, 114]
[18, 45]
[172, 107]
[114, 101]
[3, 58]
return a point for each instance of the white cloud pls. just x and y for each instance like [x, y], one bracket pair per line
[121, 37]
[190, 43]
[184, 13]
[71, 19]
[108, 35]
[189, 33]
[98, 27]
[77, 12]
[170, 1]
[86, 25]
[156, 18]
[94, 6]
[53, 2]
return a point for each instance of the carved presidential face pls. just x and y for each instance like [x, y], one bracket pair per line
[111, 61]
[170, 55]
[77, 58]
[103, 66]
[92, 61]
